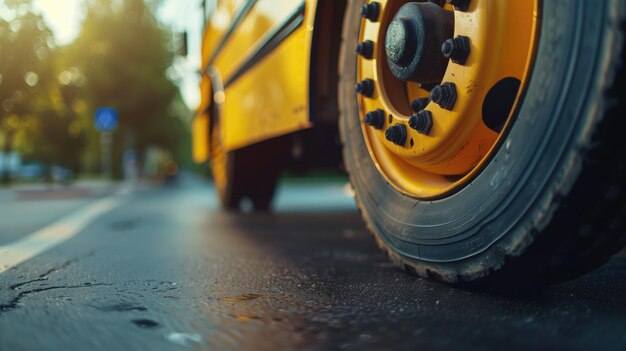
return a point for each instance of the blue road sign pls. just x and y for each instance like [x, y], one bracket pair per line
[105, 119]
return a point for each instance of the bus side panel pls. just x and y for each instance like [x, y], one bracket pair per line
[265, 90]
[271, 99]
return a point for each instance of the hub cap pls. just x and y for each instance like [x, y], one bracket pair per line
[413, 41]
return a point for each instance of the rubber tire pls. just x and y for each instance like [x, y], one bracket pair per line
[252, 173]
[245, 181]
[551, 203]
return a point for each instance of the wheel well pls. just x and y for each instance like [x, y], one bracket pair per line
[324, 67]
[319, 147]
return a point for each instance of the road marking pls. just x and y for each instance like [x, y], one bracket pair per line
[58, 232]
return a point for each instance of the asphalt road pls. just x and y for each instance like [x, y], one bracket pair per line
[150, 268]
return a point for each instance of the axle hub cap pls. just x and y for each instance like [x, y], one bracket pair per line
[413, 41]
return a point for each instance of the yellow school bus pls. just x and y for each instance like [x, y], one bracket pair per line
[481, 137]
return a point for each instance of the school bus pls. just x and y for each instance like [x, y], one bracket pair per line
[481, 137]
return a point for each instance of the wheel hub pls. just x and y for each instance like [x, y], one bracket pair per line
[413, 41]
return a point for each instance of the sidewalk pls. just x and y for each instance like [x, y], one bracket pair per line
[43, 191]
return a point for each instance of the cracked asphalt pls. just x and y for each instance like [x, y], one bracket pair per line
[167, 270]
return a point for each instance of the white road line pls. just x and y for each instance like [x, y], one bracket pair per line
[58, 232]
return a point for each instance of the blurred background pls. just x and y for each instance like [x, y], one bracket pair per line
[97, 88]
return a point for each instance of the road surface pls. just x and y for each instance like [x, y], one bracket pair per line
[140, 267]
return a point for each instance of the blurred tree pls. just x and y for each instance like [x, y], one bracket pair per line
[38, 99]
[124, 55]
[25, 67]
[55, 135]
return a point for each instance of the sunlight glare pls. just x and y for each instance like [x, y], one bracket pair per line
[62, 16]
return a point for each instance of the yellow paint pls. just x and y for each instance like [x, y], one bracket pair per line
[200, 124]
[206, 97]
[271, 98]
[200, 137]
[502, 38]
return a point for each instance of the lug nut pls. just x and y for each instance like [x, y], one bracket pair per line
[365, 49]
[371, 11]
[422, 122]
[376, 118]
[456, 49]
[396, 134]
[460, 5]
[419, 104]
[365, 88]
[444, 95]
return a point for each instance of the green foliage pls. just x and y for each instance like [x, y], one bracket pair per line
[48, 94]
[123, 53]
[26, 71]
[24, 61]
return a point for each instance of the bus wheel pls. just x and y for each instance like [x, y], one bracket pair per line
[250, 173]
[481, 138]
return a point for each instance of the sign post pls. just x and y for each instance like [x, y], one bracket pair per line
[106, 121]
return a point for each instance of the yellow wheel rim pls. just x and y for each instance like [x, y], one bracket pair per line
[502, 38]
